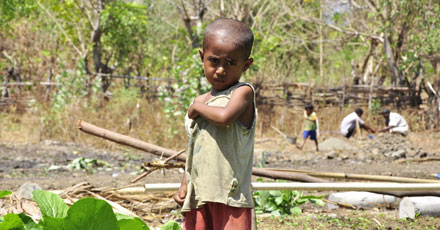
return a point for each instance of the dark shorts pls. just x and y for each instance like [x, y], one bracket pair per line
[351, 130]
[309, 133]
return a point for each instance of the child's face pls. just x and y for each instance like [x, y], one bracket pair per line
[309, 111]
[223, 63]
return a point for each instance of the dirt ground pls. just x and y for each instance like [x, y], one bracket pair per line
[45, 164]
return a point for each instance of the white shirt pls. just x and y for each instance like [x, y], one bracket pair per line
[397, 120]
[348, 121]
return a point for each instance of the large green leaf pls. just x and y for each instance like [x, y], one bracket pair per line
[4, 193]
[11, 222]
[128, 223]
[91, 214]
[50, 223]
[50, 204]
[132, 224]
[171, 225]
[29, 224]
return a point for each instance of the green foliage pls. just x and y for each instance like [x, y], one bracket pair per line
[11, 222]
[87, 164]
[74, 84]
[91, 213]
[188, 82]
[374, 106]
[281, 203]
[124, 24]
[4, 193]
[170, 225]
[84, 214]
[13, 10]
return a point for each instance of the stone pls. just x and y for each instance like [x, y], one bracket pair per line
[399, 154]
[27, 188]
[360, 199]
[410, 207]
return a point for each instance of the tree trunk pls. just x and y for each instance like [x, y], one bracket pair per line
[391, 63]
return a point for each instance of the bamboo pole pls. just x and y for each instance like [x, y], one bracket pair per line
[349, 186]
[419, 159]
[127, 141]
[358, 176]
[161, 151]
[135, 143]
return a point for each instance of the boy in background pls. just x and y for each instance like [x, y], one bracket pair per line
[311, 124]
[215, 191]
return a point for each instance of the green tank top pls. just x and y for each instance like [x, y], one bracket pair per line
[219, 161]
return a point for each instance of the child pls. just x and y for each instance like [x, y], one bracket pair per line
[215, 191]
[310, 126]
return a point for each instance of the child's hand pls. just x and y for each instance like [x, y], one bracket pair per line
[192, 112]
[180, 195]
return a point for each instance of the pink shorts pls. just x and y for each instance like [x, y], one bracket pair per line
[217, 216]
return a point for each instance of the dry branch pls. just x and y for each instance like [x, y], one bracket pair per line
[359, 176]
[419, 159]
[159, 151]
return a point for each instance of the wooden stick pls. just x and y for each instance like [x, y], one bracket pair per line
[159, 151]
[339, 203]
[127, 141]
[174, 156]
[359, 176]
[419, 159]
[346, 186]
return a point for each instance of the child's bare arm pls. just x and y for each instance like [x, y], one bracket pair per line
[180, 195]
[240, 103]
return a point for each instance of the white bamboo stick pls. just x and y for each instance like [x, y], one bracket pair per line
[350, 186]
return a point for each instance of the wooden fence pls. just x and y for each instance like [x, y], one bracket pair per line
[286, 94]
[292, 95]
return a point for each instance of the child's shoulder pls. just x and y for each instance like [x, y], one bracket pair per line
[202, 98]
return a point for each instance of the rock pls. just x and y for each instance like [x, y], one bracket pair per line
[333, 143]
[331, 155]
[410, 207]
[27, 188]
[399, 154]
[375, 151]
[360, 199]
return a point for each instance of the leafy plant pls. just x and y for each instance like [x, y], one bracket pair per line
[280, 203]
[4, 193]
[375, 106]
[87, 164]
[189, 82]
[85, 214]
[171, 225]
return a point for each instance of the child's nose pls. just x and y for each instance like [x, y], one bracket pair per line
[220, 70]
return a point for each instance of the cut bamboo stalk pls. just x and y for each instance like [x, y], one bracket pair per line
[350, 186]
[419, 159]
[126, 140]
[358, 176]
[161, 151]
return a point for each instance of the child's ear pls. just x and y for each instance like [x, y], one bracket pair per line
[201, 54]
[247, 64]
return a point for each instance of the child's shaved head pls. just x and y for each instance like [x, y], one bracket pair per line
[232, 31]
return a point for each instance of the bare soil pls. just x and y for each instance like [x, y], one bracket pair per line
[381, 155]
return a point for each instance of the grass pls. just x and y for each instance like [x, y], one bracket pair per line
[125, 113]
[141, 119]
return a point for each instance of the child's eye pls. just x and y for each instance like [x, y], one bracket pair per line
[213, 60]
[231, 63]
